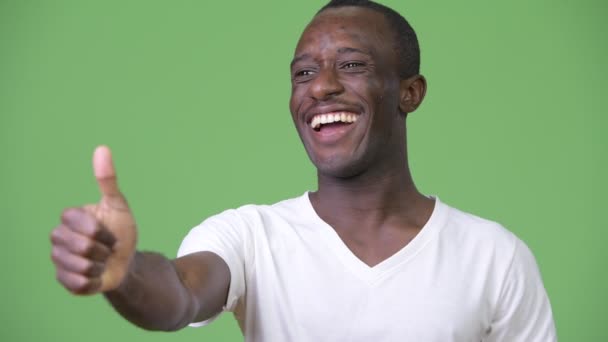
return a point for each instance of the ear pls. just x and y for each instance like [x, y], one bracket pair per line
[412, 91]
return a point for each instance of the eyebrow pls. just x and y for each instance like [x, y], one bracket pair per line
[299, 58]
[350, 49]
[340, 51]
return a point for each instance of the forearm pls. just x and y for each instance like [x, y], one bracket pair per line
[152, 296]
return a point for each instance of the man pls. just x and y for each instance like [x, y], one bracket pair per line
[365, 257]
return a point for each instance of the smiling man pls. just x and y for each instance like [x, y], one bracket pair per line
[366, 257]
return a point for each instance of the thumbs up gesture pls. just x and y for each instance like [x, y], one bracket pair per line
[94, 245]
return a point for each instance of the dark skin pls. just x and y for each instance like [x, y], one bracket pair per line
[94, 252]
[366, 193]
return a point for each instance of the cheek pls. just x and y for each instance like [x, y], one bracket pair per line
[293, 107]
[386, 95]
[370, 93]
[297, 99]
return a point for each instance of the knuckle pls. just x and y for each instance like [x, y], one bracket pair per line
[62, 278]
[95, 228]
[90, 227]
[77, 284]
[56, 254]
[86, 247]
[56, 235]
[66, 214]
[88, 267]
[83, 286]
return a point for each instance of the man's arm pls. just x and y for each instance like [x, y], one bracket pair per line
[524, 311]
[162, 294]
[93, 250]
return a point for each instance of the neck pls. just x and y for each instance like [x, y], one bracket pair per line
[382, 188]
[381, 194]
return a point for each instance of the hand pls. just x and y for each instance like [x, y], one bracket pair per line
[94, 245]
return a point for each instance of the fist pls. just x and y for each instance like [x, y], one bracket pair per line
[94, 245]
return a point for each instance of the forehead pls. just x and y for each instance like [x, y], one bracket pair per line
[355, 26]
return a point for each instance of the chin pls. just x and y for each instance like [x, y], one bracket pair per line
[338, 166]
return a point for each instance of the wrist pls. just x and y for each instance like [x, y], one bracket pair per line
[129, 276]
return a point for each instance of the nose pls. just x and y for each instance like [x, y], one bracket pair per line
[326, 85]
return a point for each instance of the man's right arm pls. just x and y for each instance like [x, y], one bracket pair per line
[94, 251]
[163, 294]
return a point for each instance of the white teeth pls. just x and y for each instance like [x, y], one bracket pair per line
[322, 119]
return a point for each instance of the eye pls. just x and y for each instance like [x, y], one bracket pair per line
[303, 73]
[351, 65]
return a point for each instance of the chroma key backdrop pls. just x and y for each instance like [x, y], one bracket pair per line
[192, 97]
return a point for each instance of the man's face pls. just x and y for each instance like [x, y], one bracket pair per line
[345, 91]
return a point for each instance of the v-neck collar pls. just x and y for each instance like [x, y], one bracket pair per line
[376, 273]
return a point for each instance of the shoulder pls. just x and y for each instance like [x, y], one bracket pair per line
[252, 215]
[244, 229]
[285, 207]
[488, 244]
[479, 234]
[503, 258]
[520, 307]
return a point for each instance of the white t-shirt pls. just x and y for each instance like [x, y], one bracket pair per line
[462, 278]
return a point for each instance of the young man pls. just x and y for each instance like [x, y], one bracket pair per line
[365, 257]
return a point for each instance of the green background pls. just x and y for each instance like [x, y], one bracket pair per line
[192, 96]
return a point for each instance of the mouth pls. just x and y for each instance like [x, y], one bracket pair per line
[331, 126]
[332, 120]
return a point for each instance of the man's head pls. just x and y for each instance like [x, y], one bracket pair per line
[354, 79]
[405, 41]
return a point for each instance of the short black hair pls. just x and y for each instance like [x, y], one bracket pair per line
[406, 41]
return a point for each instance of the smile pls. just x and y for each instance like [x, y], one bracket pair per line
[334, 119]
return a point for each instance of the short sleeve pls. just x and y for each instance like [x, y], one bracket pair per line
[224, 235]
[523, 313]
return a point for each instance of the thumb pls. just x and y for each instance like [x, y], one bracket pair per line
[104, 171]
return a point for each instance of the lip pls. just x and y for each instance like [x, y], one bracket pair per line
[331, 135]
[310, 114]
